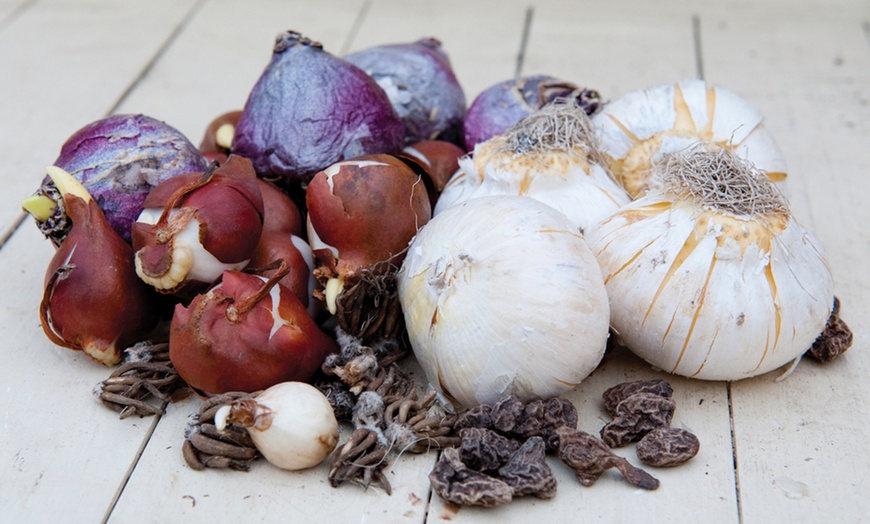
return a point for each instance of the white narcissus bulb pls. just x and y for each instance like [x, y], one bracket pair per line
[709, 275]
[502, 296]
[642, 126]
[552, 156]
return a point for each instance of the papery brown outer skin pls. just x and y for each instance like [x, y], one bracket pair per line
[209, 146]
[280, 212]
[215, 355]
[278, 245]
[101, 301]
[440, 159]
[229, 208]
[370, 214]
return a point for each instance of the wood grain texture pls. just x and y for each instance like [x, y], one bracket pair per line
[807, 71]
[797, 444]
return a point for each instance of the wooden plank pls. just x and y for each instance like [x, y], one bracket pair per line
[64, 65]
[803, 63]
[64, 456]
[614, 47]
[806, 68]
[10, 9]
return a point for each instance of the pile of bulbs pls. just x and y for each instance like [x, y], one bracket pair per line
[518, 241]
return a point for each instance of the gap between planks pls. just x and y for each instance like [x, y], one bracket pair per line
[699, 71]
[134, 463]
[15, 13]
[5, 22]
[16, 223]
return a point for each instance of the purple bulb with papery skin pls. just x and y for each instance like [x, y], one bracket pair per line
[310, 109]
[502, 105]
[121, 158]
[421, 86]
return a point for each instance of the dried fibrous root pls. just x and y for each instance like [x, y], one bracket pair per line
[361, 460]
[834, 340]
[369, 309]
[205, 446]
[391, 382]
[147, 374]
[589, 457]
[561, 125]
[339, 396]
[718, 178]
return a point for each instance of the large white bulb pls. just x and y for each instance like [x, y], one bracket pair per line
[502, 295]
[551, 156]
[710, 276]
[642, 126]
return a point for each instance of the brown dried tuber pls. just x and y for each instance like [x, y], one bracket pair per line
[455, 482]
[613, 396]
[484, 449]
[540, 418]
[667, 447]
[589, 457]
[636, 416]
[834, 340]
[527, 472]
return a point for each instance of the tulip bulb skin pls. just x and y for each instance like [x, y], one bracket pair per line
[217, 348]
[93, 300]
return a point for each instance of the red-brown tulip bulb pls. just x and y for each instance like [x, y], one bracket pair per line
[246, 334]
[196, 226]
[361, 212]
[93, 301]
[218, 139]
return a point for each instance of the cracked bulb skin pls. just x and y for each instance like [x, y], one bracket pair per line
[502, 296]
[197, 225]
[246, 334]
[364, 211]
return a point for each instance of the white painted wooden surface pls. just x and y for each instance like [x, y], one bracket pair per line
[771, 452]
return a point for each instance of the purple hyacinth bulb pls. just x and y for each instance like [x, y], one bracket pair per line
[119, 159]
[310, 109]
[502, 105]
[421, 86]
